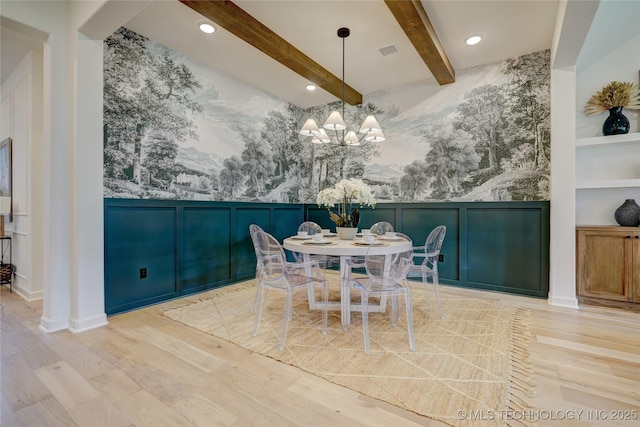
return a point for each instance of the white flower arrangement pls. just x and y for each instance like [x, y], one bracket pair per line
[343, 195]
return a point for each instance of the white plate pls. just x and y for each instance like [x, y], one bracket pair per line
[321, 242]
[330, 235]
[390, 239]
[361, 243]
[301, 238]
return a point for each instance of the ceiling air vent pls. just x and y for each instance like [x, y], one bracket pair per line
[389, 50]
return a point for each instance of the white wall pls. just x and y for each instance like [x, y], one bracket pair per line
[22, 120]
[65, 178]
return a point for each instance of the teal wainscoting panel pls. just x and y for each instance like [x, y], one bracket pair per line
[245, 257]
[189, 246]
[320, 216]
[286, 220]
[139, 238]
[206, 243]
[417, 223]
[506, 250]
[369, 216]
[501, 246]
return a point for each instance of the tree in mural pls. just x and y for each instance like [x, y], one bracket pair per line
[144, 95]
[280, 131]
[450, 161]
[125, 58]
[415, 180]
[258, 165]
[481, 115]
[159, 160]
[529, 102]
[231, 177]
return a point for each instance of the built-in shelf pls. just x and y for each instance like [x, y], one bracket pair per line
[609, 139]
[608, 183]
[617, 155]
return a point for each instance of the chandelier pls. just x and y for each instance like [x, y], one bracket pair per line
[370, 130]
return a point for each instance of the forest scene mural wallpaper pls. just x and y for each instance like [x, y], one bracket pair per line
[174, 129]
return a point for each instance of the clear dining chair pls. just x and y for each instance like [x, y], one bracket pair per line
[357, 263]
[381, 227]
[325, 261]
[386, 276]
[428, 266]
[277, 273]
[310, 227]
[253, 232]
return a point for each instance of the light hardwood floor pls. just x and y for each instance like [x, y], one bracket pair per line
[587, 367]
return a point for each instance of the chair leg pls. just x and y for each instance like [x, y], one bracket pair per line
[394, 310]
[288, 309]
[409, 308]
[325, 302]
[425, 282]
[364, 300]
[259, 300]
[435, 291]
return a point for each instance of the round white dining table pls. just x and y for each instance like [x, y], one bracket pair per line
[345, 249]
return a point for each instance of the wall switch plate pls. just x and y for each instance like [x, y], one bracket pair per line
[440, 257]
[143, 273]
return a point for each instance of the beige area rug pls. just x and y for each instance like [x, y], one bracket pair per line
[471, 365]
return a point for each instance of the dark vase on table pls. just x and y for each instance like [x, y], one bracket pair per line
[616, 123]
[628, 214]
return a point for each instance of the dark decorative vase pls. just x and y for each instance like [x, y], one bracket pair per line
[628, 214]
[616, 123]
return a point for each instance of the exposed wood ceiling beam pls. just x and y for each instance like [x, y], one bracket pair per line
[414, 21]
[238, 22]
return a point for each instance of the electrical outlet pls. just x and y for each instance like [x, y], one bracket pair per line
[143, 273]
[440, 257]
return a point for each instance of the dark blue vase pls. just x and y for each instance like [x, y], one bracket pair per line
[616, 123]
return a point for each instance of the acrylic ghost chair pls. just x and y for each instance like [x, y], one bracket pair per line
[378, 228]
[381, 227]
[428, 265]
[325, 261]
[253, 231]
[277, 273]
[386, 277]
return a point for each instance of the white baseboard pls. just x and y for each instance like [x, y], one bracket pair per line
[76, 326]
[563, 302]
[49, 325]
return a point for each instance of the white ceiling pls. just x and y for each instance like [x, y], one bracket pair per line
[510, 27]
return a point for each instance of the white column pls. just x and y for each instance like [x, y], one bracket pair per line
[87, 230]
[562, 280]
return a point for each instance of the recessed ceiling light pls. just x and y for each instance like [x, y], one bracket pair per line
[206, 27]
[474, 39]
[311, 87]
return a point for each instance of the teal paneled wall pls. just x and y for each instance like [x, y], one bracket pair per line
[502, 246]
[206, 246]
[185, 246]
[191, 246]
[139, 237]
[504, 250]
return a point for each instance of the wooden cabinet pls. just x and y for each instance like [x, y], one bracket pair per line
[608, 266]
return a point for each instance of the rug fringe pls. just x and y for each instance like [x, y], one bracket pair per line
[522, 378]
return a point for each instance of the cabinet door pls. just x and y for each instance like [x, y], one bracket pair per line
[605, 263]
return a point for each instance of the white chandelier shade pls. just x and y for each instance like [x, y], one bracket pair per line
[370, 128]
